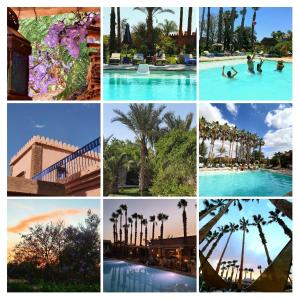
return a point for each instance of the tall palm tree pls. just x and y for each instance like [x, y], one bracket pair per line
[143, 120]
[112, 33]
[141, 218]
[180, 21]
[243, 13]
[259, 268]
[211, 206]
[115, 216]
[261, 143]
[275, 216]
[246, 270]
[150, 13]
[152, 219]
[183, 204]
[176, 122]
[202, 23]
[255, 9]
[114, 229]
[233, 16]
[210, 237]
[189, 25]
[168, 26]
[145, 223]
[123, 207]
[284, 206]
[220, 25]
[120, 215]
[162, 218]
[237, 272]
[119, 28]
[259, 222]
[244, 227]
[222, 230]
[130, 221]
[232, 228]
[228, 268]
[208, 28]
[135, 217]
[251, 271]
[233, 266]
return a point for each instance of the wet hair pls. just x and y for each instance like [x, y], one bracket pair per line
[228, 73]
[248, 57]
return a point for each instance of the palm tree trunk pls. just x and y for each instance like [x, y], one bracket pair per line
[146, 234]
[149, 22]
[208, 226]
[189, 27]
[184, 220]
[143, 176]
[131, 234]
[208, 28]
[202, 23]
[207, 244]
[252, 29]
[180, 21]
[242, 262]
[153, 230]
[264, 242]
[162, 230]
[223, 252]
[119, 28]
[135, 232]
[220, 25]
[112, 34]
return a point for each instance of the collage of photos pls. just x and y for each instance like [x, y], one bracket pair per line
[176, 175]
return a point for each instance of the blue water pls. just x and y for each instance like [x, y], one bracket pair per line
[246, 183]
[159, 85]
[121, 276]
[270, 85]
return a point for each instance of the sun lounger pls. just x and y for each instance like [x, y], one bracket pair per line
[138, 58]
[115, 58]
[201, 165]
[189, 59]
[160, 60]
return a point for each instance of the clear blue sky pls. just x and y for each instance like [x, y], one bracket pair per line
[75, 124]
[121, 132]
[134, 17]
[268, 19]
[254, 252]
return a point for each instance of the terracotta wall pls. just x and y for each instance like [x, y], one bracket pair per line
[23, 164]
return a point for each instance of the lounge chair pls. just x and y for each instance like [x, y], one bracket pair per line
[115, 58]
[201, 165]
[138, 58]
[208, 54]
[189, 60]
[160, 60]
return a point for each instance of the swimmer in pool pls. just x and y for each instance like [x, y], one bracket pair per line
[250, 63]
[279, 66]
[259, 65]
[229, 74]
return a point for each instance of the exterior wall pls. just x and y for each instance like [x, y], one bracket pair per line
[52, 155]
[36, 159]
[22, 165]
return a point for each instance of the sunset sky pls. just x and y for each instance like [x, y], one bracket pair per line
[23, 213]
[254, 251]
[172, 227]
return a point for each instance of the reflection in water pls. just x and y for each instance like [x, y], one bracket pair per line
[120, 276]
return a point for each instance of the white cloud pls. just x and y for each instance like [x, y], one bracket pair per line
[39, 126]
[232, 108]
[280, 118]
[212, 113]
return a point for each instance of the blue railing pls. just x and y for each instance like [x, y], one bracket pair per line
[79, 160]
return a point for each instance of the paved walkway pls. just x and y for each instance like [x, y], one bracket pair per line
[131, 67]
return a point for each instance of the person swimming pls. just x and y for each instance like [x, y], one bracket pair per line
[279, 66]
[259, 65]
[250, 63]
[229, 74]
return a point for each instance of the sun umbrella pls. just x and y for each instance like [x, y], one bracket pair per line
[127, 37]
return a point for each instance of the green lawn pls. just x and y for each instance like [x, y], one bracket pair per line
[52, 287]
[131, 192]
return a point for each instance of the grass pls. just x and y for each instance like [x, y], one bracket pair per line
[131, 192]
[52, 287]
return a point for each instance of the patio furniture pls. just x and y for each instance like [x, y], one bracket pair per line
[189, 60]
[138, 58]
[115, 58]
[126, 60]
[160, 60]
[208, 54]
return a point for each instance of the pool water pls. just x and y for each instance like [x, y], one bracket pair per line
[269, 85]
[245, 183]
[159, 85]
[121, 276]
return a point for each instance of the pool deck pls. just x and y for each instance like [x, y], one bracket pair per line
[226, 169]
[131, 67]
[225, 58]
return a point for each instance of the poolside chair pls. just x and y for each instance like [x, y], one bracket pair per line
[201, 165]
[160, 60]
[138, 58]
[189, 60]
[208, 54]
[115, 58]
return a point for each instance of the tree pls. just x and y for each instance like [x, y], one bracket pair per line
[222, 230]
[120, 215]
[202, 24]
[243, 13]
[124, 208]
[130, 221]
[135, 217]
[112, 34]
[255, 9]
[162, 218]
[176, 122]
[150, 13]
[119, 29]
[183, 204]
[153, 221]
[180, 21]
[259, 268]
[211, 236]
[189, 25]
[274, 216]
[220, 25]
[207, 28]
[143, 120]
[141, 218]
[145, 223]
[168, 26]
[259, 222]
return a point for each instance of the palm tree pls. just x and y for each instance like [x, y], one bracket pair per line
[145, 223]
[284, 206]
[233, 266]
[150, 13]
[220, 25]
[114, 229]
[141, 218]
[130, 221]
[120, 214]
[189, 26]
[274, 216]
[261, 143]
[143, 120]
[210, 237]
[202, 23]
[183, 204]
[119, 28]
[115, 216]
[176, 122]
[259, 222]
[180, 21]
[228, 268]
[211, 206]
[168, 26]
[233, 16]
[232, 228]
[259, 268]
[222, 230]
[123, 207]
[162, 217]
[223, 269]
[244, 227]
[208, 28]
[112, 34]
[251, 271]
[255, 9]
[243, 13]
[237, 272]
[135, 217]
[152, 219]
[246, 270]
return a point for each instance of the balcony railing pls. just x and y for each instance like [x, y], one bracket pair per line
[81, 159]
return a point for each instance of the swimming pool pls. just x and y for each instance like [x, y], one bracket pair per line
[159, 85]
[121, 276]
[269, 85]
[245, 183]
